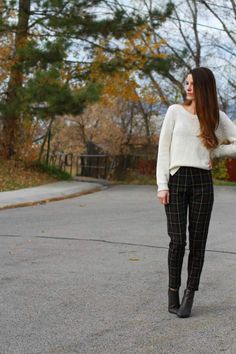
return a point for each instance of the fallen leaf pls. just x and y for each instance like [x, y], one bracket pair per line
[134, 259]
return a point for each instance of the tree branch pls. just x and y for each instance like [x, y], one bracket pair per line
[227, 30]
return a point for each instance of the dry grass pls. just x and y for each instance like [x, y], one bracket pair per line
[14, 175]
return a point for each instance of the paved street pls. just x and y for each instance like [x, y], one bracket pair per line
[89, 275]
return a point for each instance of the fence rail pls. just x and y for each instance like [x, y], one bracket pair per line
[103, 166]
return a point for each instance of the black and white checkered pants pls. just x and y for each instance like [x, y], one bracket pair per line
[191, 190]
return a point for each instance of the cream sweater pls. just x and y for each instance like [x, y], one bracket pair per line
[180, 146]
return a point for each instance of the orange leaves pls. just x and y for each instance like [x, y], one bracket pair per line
[140, 47]
[120, 85]
[117, 72]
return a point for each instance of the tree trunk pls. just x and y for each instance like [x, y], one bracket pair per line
[47, 138]
[11, 119]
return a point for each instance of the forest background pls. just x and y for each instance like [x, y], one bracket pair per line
[78, 72]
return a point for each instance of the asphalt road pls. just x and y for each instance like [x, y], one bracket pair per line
[89, 275]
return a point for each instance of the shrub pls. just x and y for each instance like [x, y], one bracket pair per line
[53, 171]
[220, 170]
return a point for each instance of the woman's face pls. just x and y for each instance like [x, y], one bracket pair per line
[189, 88]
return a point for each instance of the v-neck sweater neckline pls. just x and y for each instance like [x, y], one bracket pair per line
[186, 111]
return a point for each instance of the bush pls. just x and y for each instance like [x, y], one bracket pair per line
[53, 171]
[220, 170]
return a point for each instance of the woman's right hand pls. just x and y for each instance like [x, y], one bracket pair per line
[164, 196]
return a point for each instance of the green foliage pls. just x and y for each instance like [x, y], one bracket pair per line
[39, 56]
[220, 171]
[53, 171]
[158, 17]
[50, 96]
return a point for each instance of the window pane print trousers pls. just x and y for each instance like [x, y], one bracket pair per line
[191, 192]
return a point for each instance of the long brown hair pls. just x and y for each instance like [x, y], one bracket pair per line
[207, 108]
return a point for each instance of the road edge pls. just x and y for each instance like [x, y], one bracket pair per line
[52, 199]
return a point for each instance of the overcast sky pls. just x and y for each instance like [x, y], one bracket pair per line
[211, 35]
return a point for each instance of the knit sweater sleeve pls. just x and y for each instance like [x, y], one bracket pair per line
[228, 131]
[163, 157]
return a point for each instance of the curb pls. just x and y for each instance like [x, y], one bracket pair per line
[53, 199]
[104, 182]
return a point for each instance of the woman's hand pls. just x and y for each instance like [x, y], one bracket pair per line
[164, 196]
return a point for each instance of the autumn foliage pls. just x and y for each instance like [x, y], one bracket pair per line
[50, 91]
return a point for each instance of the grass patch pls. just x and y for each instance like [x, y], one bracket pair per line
[134, 177]
[218, 182]
[54, 171]
[137, 181]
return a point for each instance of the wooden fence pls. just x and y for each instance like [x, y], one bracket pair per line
[103, 166]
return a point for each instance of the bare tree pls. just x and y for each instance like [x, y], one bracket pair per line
[197, 33]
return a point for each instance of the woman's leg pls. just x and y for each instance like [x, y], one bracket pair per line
[201, 199]
[176, 212]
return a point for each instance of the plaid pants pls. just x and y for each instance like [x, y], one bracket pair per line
[191, 190]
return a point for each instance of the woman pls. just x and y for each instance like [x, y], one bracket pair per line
[191, 136]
